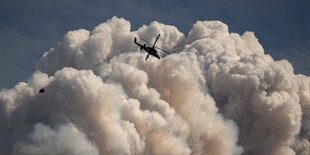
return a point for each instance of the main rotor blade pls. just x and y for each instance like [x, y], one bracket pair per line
[145, 41]
[156, 40]
[162, 49]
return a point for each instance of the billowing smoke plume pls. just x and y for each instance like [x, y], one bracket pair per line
[216, 94]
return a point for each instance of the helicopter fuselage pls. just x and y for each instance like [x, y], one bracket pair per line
[150, 50]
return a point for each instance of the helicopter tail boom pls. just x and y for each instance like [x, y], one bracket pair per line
[135, 41]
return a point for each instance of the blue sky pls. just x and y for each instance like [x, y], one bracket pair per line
[28, 28]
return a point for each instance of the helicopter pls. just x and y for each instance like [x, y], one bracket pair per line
[151, 50]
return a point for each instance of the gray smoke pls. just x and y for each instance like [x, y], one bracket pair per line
[216, 94]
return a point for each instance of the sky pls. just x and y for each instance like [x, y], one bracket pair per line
[225, 89]
[28, 28]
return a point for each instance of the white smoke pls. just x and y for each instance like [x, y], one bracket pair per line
[218, 93]
[47, 141]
